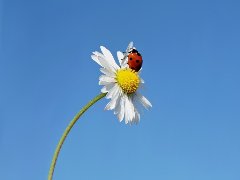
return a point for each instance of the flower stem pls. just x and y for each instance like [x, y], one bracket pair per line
[67, 130]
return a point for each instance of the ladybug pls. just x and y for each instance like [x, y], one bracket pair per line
[135, 60]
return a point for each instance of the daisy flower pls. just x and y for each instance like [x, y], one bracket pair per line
[121, 84]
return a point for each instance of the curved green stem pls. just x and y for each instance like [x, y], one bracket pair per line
[67, 130]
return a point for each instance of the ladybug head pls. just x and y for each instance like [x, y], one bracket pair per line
[135, 51]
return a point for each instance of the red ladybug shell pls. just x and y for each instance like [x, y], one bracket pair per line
[135, 60]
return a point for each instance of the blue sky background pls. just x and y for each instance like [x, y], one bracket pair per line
[191, 52]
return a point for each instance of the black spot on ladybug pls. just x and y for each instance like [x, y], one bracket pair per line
[137, 61]
[130, 58]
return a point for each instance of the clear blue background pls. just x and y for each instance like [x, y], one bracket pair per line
[191, 52]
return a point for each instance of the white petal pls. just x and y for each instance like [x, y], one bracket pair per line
[95, 58]
[132, 108]
[120, 57]
[106, 64]
[121, 112]
[117, 108]
[107, 87]
[107, 78]
[144, 101]
[124, 63]
[109, 57]
[129, 110]
[107, 72]
[104, 80]
[126, 111]
[104, 83]
[137, 116]
[98, 54]
[136, 104]
[112, 92]
[112, 104]
[130, 47]
[101, 60]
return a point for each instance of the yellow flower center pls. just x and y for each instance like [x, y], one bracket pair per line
[128, 80]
